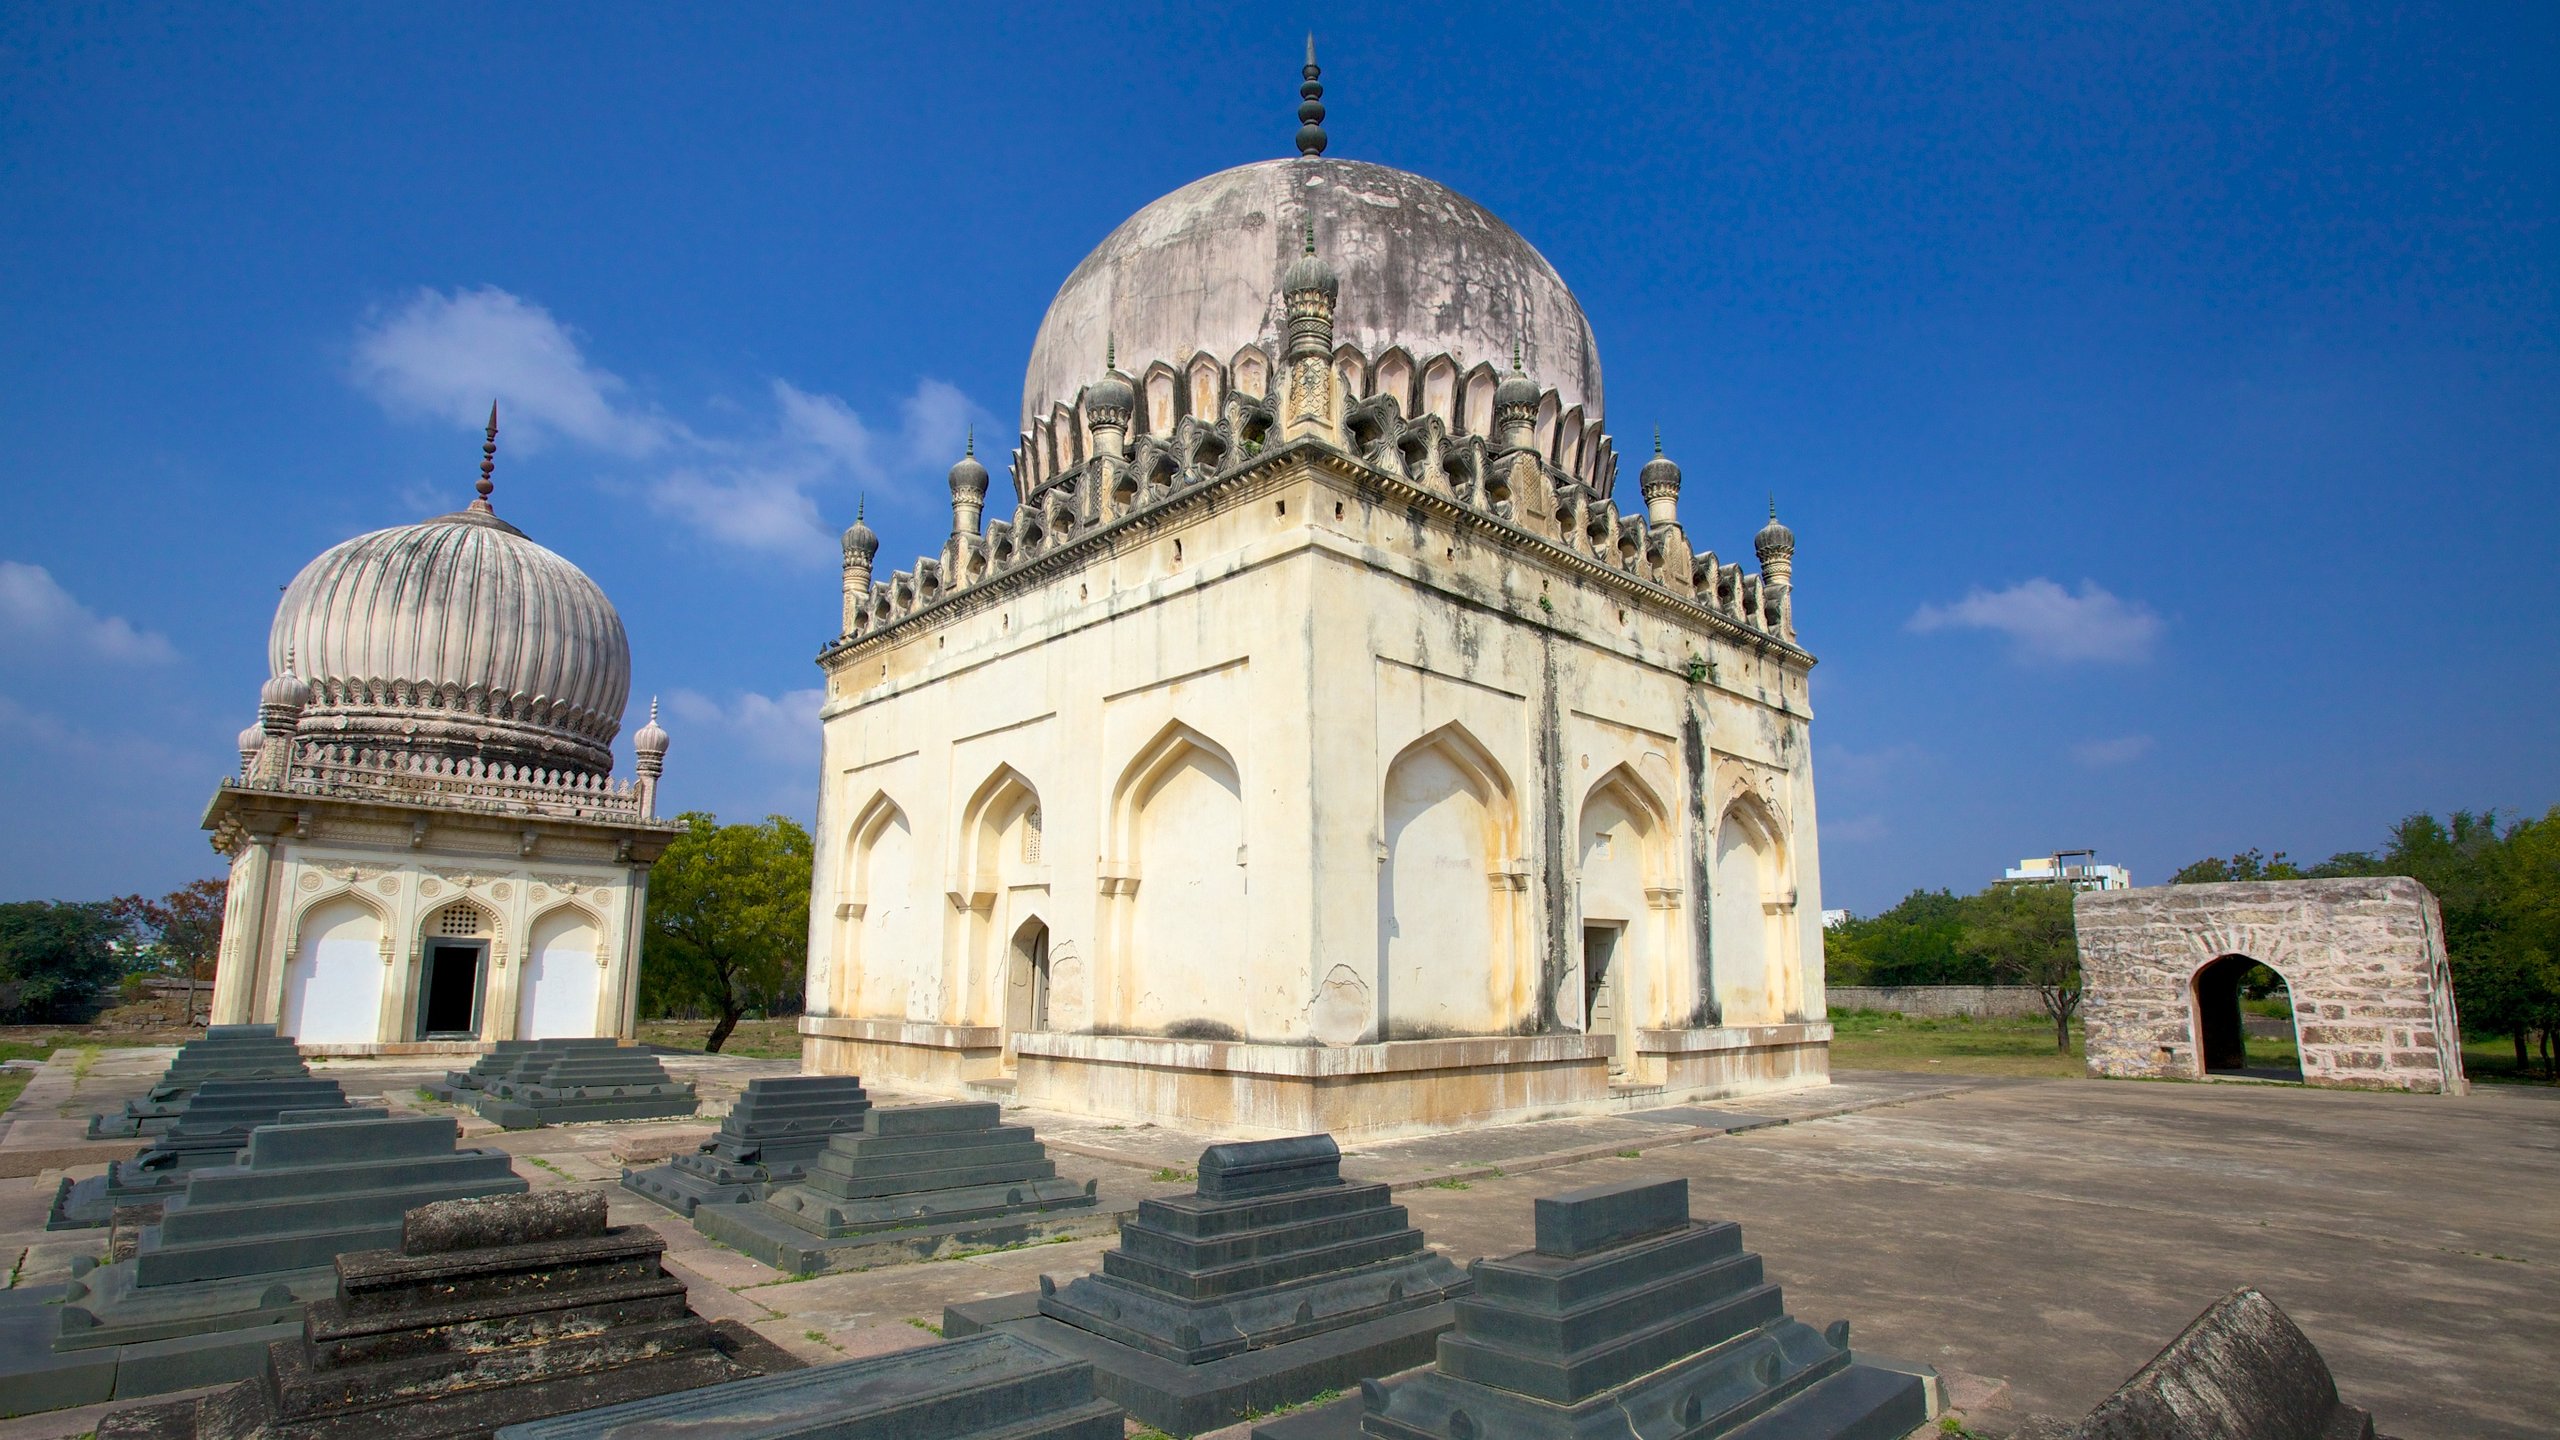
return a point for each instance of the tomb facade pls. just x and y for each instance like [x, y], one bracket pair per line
[2363, 962]
[1317, 739]
[766, 1139]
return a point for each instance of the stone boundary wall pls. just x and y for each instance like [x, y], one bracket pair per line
[2364, 960]
[1939, 1000]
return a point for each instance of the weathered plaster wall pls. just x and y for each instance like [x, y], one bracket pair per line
[2364, 961]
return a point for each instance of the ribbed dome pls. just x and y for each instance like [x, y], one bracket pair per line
[456, 636]
[1419, 265]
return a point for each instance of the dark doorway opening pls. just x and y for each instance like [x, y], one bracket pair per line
[449, 999]
[1026, 1001]
[1603, 999]
[2238, 1002]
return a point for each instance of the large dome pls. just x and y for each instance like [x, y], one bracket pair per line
[1422, 266]
[456, 636]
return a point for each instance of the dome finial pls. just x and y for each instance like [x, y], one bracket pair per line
[1657, 448]
[488, 458]
[1311, 136]
[1515, 358]
[1773, 504]
[1110, 351]
[970, 449]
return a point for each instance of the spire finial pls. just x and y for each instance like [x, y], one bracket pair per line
[1311, 234]
[1110, 351]
[857, 507]
[972, 449]
[1773, 504]
[1311, 136]
[653, 709]
[1515, 357]
[488, 456]
[1657, 439]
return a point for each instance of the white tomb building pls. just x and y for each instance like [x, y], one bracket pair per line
[428, 849]
[1317, 745]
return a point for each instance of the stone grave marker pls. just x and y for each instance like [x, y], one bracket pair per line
[236, 1255]
[915, 1181]
[2242, 1370]
[566, 1082]
[490, 1312]
[211, 1125]
[464, 1087]
[226, 1052]
[987, 1387]
[1629, 1317]
[1274, 1282]
[767, 1139]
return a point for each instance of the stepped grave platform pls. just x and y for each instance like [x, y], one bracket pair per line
[223, 1052]
[570, 1082]
[1272, 1283]
[490, 1312]
[1629, 1317]
[465, 1087]
[236, 1256]
[767, 1139]
[916, 1182]
[988, 1387]
[211, 1126]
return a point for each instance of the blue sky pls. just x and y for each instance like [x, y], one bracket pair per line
[2167, 400]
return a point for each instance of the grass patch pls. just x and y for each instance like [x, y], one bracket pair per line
[1449, 1184]
[1953, 1045]
[1170, 1175]
[13, 1083]
[926, 1326]
[1630, 1154]
[753, 1039]
[42, 1047]
[87, 1061]
[2492, 1058]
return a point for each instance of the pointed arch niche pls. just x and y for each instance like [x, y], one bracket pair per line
[561, 985]
[333, 981]
[1000, 882]
[1173, 886]
[1630, 902]
[1752, 933]
[880, 940]
[1449, 893]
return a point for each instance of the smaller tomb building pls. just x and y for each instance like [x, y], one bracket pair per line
[429, 850]
[2363, 961]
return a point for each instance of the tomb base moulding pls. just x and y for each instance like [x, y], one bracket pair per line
[941, 1058]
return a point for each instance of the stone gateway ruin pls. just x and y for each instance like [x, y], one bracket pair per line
[2363, 959]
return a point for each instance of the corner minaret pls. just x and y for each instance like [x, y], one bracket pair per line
[968, 494]
[1776, 547]
[1660, 481]
[649, 759]
[861, 543]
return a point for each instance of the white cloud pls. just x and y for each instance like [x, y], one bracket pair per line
[2046, 622]
[37, 613]
[2122, 750]
[774, 729]
[446, 356]
[1855, 768]
[102, 756]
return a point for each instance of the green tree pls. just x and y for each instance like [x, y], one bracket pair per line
[2026, 935]
[728, 919]
[57, 957]
[181, 932]
[1917, 942]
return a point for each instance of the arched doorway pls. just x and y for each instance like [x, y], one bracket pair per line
[2237, 999]
[456, 973]
[1026, 990]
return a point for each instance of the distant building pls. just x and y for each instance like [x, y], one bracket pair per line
[2078, 869]
[1834, 919]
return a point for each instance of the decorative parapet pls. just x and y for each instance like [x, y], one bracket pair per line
[1428, 422]
[464, 784]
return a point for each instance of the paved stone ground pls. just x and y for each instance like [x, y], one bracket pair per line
[2054, 1234]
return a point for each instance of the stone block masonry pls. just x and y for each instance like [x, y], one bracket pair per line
[2363, 960]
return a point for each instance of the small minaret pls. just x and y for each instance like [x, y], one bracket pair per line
[649, 759]
[280, 704]
[1660, 481]
[1776, 546]
[1109, 405]
[968, 490]
[252, 741]
[1311, 137]
[1309, 288]
[860, 544]
[1515, 406]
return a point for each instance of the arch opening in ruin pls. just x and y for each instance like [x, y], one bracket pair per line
[2224, 1021]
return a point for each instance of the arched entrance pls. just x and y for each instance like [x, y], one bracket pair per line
[1026, 990]
[2230, 995]
[456, 972]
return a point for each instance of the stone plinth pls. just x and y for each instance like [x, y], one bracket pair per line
[1629, 1316]
[464, 1087]
[236, 1256]
[491, 1312]
[914, 1182]
[989, 1387]
[767, 1139]
[2363, 962]
[225, 1052]
[1272, 1283]
[566, 1082]
[210, 1127]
